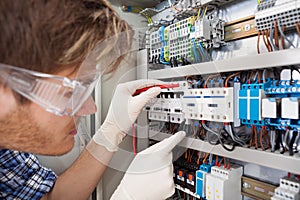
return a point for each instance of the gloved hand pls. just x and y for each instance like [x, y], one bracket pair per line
[150, 175]
[123, 111]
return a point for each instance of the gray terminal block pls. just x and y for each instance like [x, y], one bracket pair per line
[285, 12]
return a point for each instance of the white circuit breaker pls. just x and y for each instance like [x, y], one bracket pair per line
[223, 183]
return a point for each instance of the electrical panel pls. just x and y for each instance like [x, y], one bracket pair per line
[223, 101]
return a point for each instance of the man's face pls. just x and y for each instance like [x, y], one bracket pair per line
[30, 128]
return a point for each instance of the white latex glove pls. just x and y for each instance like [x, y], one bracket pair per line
[123, 111]
[150, 175]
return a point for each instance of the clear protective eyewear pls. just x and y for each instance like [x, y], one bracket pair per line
[56, 94]
[61, 95]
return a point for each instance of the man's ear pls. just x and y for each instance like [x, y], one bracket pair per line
[7, 101]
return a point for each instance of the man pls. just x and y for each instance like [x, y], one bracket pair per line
[45, 88]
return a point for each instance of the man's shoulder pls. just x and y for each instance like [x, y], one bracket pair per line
[22, 177]
[11, 158]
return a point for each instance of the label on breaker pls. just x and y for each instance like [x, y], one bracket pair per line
[190, 182]
[180, 178]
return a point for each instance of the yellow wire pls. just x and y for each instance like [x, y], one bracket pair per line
[205, 12]
[199, 11]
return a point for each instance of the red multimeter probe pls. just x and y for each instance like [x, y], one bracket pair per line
[164, 86]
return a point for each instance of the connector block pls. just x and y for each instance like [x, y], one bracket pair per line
[223, 184]
[250, 103]
[287, 11]
[289, 189]
[201, 178]
[283, 88]
[211, 104]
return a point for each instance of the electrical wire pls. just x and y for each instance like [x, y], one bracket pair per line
[287, 133]
[228, 130]
[208, 78]
[172, 6]
[196, 55]
[219, 138]
[282, 38]
[264, 39]
[268, 41]
[205, 157]
[229, 77]
[271, 37]
[298, 28]
[276, 34]
[199, 13]
[273, 140]
[282, 34]
[257, 44]
[262, 134]
[204, 13]
[133, 140]
[291, 143]
[209, 130]
[205, 54]
[264, 75]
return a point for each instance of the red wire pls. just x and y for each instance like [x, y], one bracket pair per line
[133, 139]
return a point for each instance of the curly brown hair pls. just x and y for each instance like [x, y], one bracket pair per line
[49, 36]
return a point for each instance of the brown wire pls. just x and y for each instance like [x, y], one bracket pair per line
[261, 139]
[267, 138]
[282, 38]
[264, 39]
[252, 136]
[258, 40]
[229, 77]
[276, 36]
[255, 136]
[187, 79]
[206, 155]
[258, 76]
[298, 28]
[209, 77]
[268, 41]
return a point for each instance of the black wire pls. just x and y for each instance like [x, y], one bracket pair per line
[225, 147]
[291, 143]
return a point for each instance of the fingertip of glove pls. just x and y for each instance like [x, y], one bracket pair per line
[180, 134]
[154, 91]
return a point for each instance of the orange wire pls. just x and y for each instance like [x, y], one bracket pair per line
[260, 139]
[255, 136]
[282, 38]
[206, 155]
[229, 77]
[264, 39]
[276, 34]
[187, 77]
[209, 77]
[298, 28]
[268, 41]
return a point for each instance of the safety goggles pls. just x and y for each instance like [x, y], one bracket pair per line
[63, 96]
[56, 94]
